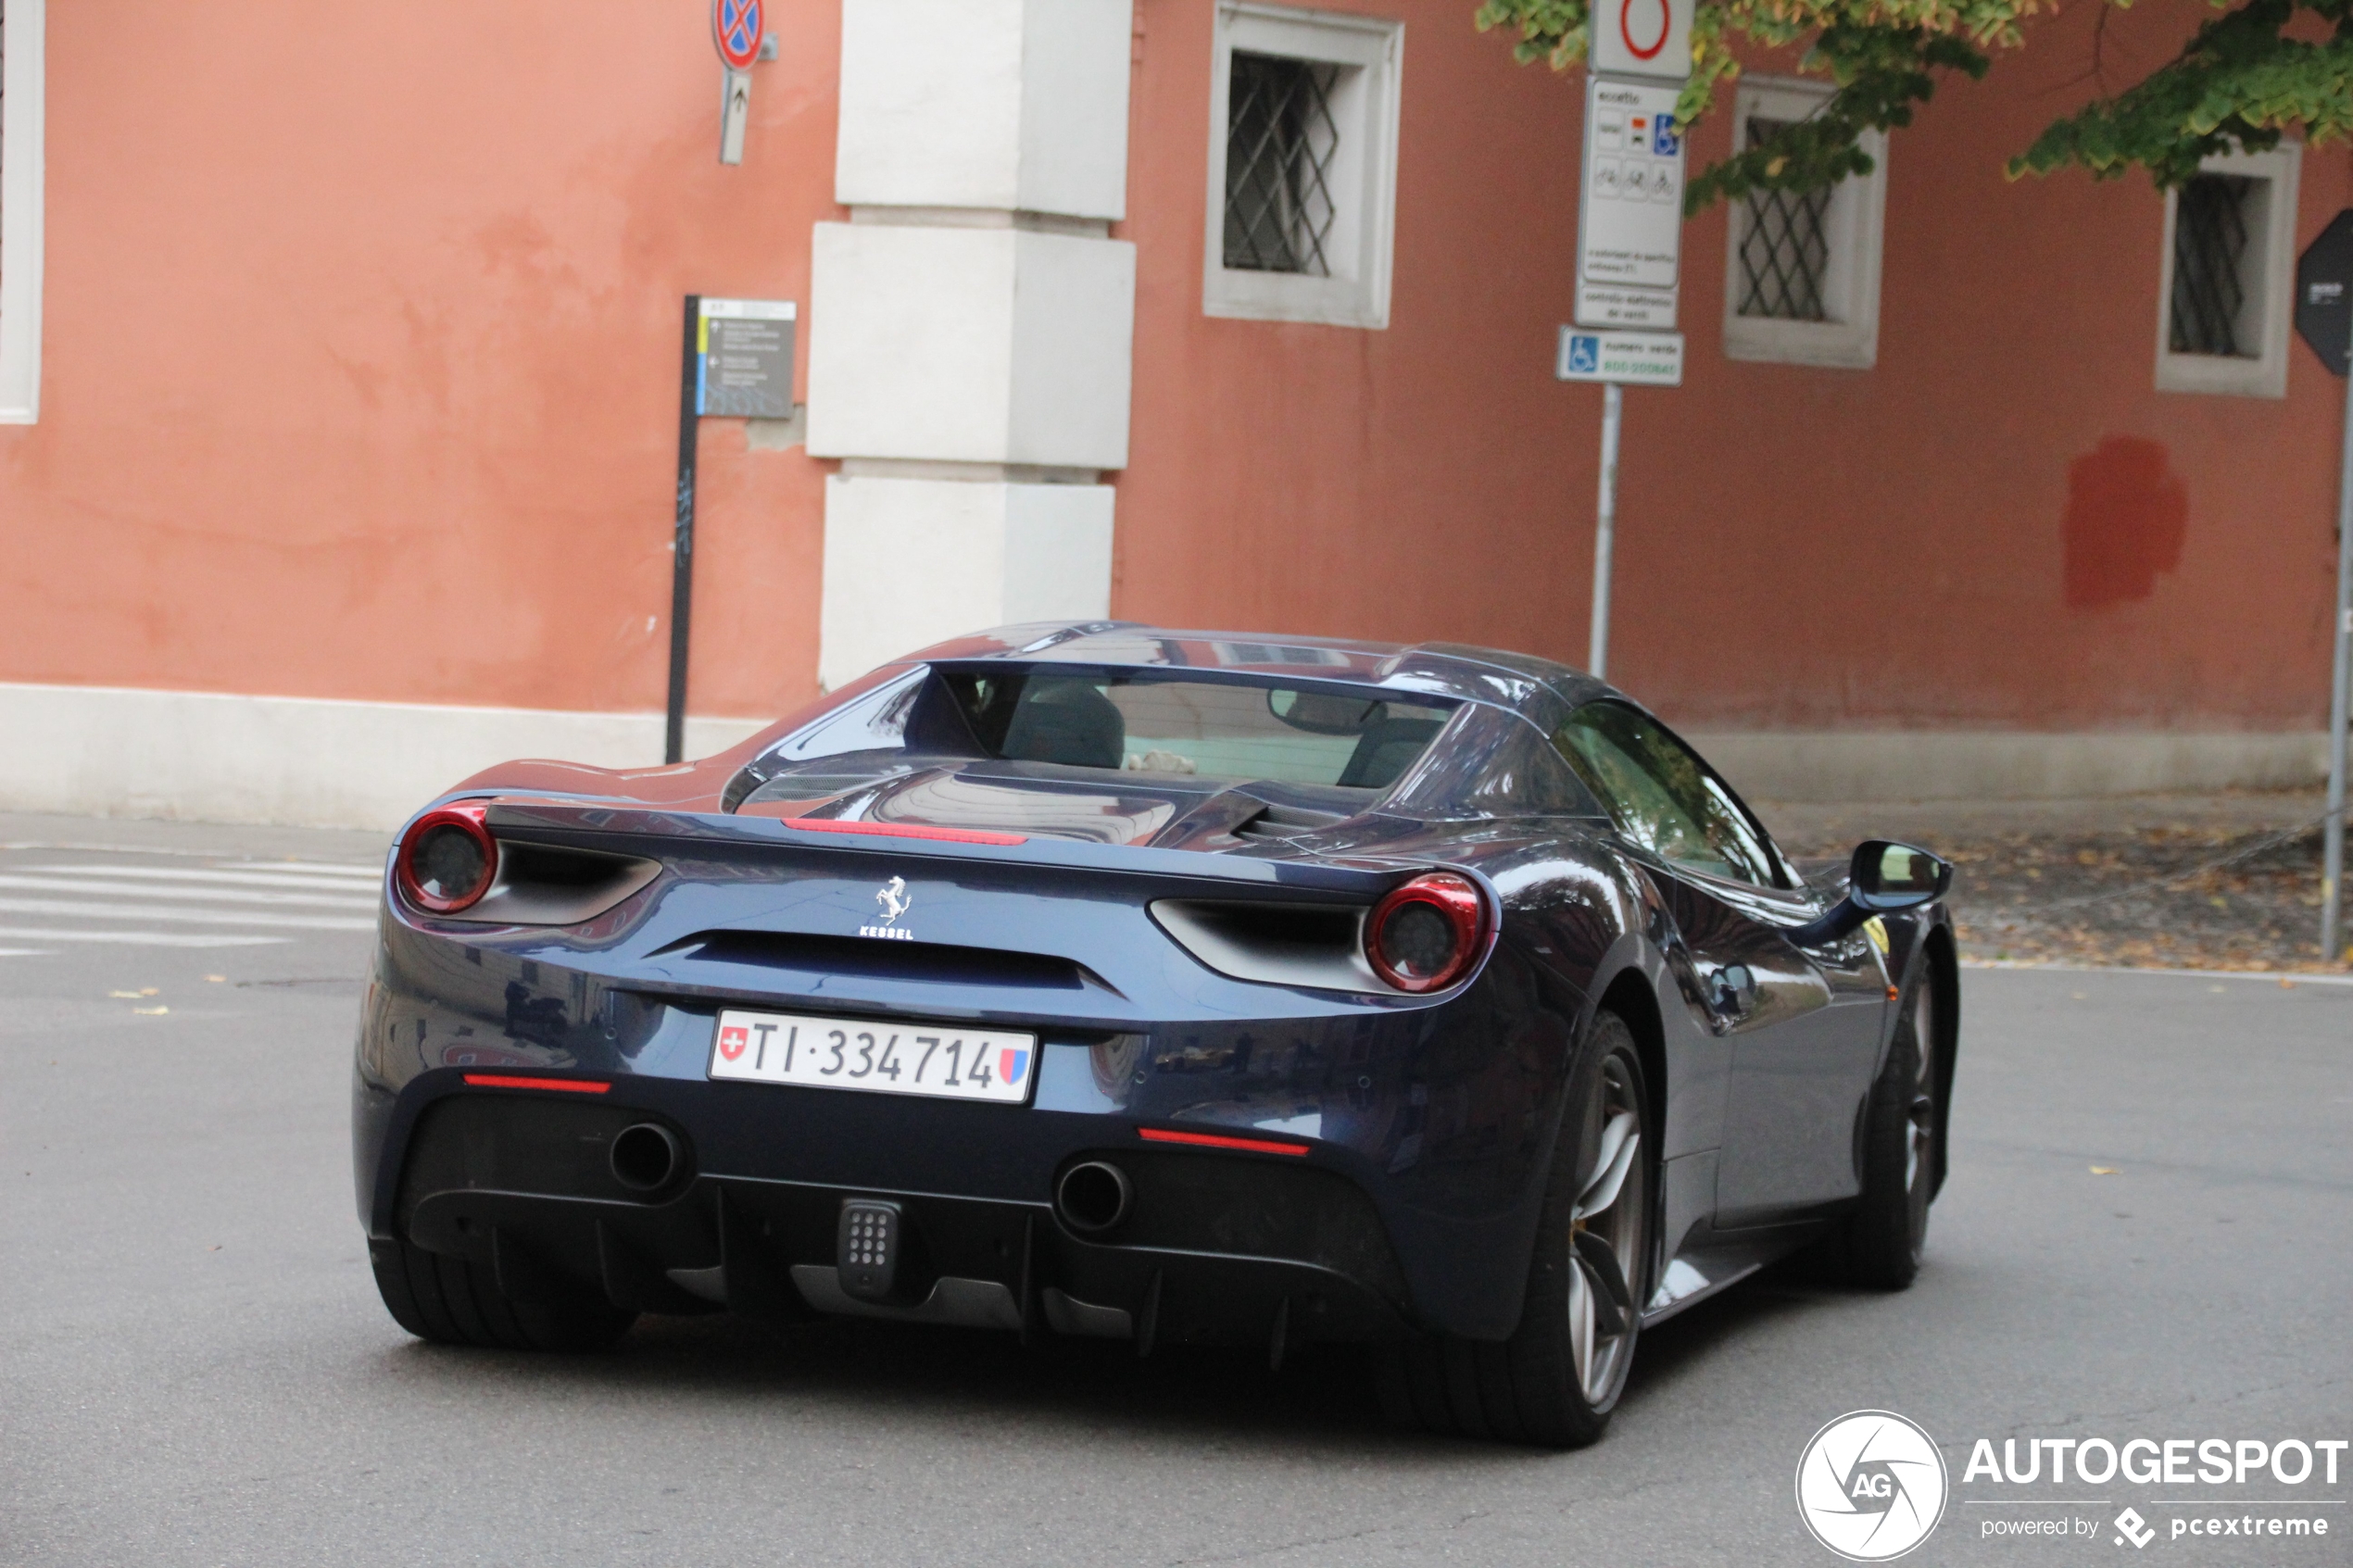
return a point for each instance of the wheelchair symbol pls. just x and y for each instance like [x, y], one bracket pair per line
[1584, 355]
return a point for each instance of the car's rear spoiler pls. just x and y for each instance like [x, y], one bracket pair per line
[582, 822]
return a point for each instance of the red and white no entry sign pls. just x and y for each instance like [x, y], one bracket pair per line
[1643, 38]
[735, 27]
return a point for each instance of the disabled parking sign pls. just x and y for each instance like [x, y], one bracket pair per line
[1630, 358]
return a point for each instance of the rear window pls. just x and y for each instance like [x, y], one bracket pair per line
[1226, 730]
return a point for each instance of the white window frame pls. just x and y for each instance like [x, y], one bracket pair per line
[1857, 224]
[1370, 53]
[2272, 239]
[22, 33]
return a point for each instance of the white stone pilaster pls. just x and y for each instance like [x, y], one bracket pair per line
[955, 344]
[971, 330]
[914, 561]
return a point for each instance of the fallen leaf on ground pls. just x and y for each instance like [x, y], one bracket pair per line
[151, 1012]
[2106, 1171]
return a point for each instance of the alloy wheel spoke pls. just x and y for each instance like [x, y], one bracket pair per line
[1621, 1144]
[1923, 1119]
[1614, 1303]
[1580, 1324]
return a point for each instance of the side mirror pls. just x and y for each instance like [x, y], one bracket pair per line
[1886, 877]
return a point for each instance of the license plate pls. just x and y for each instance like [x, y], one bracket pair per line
[839, 1053]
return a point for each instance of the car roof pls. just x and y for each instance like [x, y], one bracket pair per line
[1449, 670]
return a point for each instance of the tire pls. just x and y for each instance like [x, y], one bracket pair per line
[450, 1301]
[1879, 1246]
[1554, 1382]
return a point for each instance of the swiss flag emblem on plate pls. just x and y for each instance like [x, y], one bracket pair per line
[731, 1041]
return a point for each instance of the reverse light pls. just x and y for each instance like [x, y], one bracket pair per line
[448, 858]
[1425, 935]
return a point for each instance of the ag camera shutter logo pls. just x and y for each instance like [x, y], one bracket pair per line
[1871, 1486]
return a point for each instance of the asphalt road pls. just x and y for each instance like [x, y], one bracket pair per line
[195, 1368]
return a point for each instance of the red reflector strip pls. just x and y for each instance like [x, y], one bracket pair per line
[1216, 1140]
[902, 830]
[569, 1086]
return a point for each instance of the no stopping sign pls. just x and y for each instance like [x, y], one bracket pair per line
[1643, 38]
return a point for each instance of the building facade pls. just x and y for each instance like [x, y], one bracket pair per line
[339, 378]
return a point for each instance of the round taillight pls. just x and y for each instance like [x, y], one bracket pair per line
[1425, 935]
[448, 859]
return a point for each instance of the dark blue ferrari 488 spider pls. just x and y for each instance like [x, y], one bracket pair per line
[1161, 986]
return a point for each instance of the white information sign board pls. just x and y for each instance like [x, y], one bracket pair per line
[1643, 38]
[1631, 210]
[1632, 358]
[1599, 305]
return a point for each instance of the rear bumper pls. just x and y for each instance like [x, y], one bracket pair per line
[1218, 1246]
[1438, 1119]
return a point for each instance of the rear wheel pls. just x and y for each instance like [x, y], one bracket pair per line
[451, 1302]
[1555, 1381]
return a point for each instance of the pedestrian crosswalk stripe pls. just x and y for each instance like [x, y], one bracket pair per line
[40, 883]
[169, 898]
[315, 868]
[204, 917]
[138, 938]
[217, 878]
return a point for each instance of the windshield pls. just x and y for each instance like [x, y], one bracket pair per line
[1225, 730]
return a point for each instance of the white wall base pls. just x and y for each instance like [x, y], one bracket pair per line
[910, 562]
[1833, 765]
[298, 761]
[301, 761]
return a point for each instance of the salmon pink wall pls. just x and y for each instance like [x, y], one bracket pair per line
[361, 354]
[361, 360]
[1796, 546]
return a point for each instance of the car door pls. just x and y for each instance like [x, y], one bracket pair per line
[1804, 1022]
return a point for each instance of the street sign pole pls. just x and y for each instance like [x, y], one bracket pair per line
[2340, 689]
[2325, 321]
[682, 538]
[1629, 223]
[735, 28]
[737, 362]
[1605, 530]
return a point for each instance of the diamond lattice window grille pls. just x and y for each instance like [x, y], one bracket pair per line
[1280, 140]
[1785, 248]
[2209, 261]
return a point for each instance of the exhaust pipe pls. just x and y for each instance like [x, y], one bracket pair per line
[1093, 1195]
[645, 1157]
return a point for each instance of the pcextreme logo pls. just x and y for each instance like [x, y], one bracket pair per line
[1870, 1486]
